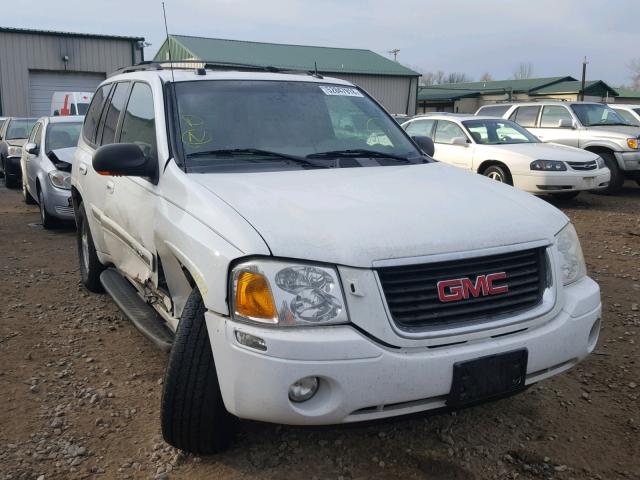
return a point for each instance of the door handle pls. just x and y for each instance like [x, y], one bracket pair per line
[83, 169]
[110, 186]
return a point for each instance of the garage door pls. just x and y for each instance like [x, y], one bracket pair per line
[43, 84]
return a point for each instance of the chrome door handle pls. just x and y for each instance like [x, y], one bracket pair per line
[110, 186]
[83, 169]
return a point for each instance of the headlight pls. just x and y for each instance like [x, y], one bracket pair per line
[572, 266]
[15, 151]
[632, 143]
[281, 293]
[60, 179]
[548, 165]
[600, 162]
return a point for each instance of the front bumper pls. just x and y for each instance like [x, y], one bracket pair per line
[58, 202]
[628, 160]
[364, 380]
[568, 181]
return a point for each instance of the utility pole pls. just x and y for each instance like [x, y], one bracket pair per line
[395, 52]
[584, 78]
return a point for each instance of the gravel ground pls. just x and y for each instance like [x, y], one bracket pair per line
[80, 387]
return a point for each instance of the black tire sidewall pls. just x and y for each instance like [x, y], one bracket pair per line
[504, 173]
[617, 176]
[90, 277]
[193, 415]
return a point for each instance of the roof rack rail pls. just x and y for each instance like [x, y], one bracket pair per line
[195, 63]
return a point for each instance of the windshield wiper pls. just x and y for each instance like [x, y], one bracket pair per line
[608, 124]
[254, 151]
[358, 152]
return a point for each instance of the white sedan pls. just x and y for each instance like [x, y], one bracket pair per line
[504, 151]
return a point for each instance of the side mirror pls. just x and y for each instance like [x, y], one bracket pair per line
[565, 123]
[425, 143]
[123, 160]
[31, 148]
[460, 141]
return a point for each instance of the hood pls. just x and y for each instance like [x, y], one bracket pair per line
[620, 131]
[62, 158]
[540, 151]
[355, 216]
[16, 142]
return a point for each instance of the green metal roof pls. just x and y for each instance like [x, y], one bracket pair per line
[592, 87]
[453, 91]
[628, 93]
[294, 57]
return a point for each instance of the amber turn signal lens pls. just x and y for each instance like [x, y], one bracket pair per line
[253, 297]
[632, 143]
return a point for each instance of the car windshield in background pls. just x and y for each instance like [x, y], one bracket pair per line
[62, 135]
[20, 128]
[494, 111]
[593, 114]
[498, 132]
[279, 121]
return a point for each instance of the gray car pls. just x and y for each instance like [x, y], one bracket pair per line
[13, 134]
[46, 167]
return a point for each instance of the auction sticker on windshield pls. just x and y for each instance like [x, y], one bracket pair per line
[341, 91]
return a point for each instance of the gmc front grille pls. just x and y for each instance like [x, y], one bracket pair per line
[411, 291]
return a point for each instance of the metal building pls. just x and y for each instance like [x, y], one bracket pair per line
[392, 84]
[36, 63]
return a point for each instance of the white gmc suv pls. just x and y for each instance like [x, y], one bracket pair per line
[304, 260]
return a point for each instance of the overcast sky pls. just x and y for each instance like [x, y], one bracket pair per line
[452, 35]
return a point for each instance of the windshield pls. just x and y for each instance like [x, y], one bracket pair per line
[593, 114]
[498, 132]
[294, 119]
[20, 128]
[62, 135]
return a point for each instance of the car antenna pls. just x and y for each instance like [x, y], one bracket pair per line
[166, 29]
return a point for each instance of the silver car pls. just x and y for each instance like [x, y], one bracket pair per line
[46, 167]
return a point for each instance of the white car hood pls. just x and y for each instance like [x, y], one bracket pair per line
[63, 154]
[539, 151]
[355, 216]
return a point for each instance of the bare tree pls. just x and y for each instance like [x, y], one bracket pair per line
[634, 67]
[457, 77]
[523, 70]
[486, 77]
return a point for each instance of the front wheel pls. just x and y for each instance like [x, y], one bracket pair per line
[90, 266]
[48, 221]
[498, 173]
[193, 415]
[617, 176]
[26, 196]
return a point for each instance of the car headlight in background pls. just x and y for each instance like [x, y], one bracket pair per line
[60, 179]
[571, 260]
[14, 151]
[600, 162]
[548, 165]
[632, 143]
[282, 293]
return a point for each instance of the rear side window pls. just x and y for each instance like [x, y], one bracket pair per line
[421, 128]
[118, 101]
[552, 114]
[93, 114]
[139, 124]
[35, 134]
[447, 131]
[494, 110]
[525, 116]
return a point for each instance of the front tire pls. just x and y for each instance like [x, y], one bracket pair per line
[48, 221]
[90, 266]
[498, 173]
[26, 196]
[617, 176]
[193, 415]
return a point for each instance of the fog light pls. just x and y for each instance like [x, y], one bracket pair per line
[251, 341]
[303, 389]
[593, 335]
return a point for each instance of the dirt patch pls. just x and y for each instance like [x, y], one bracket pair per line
[80, 387]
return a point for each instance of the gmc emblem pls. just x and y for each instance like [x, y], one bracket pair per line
[463, 288]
